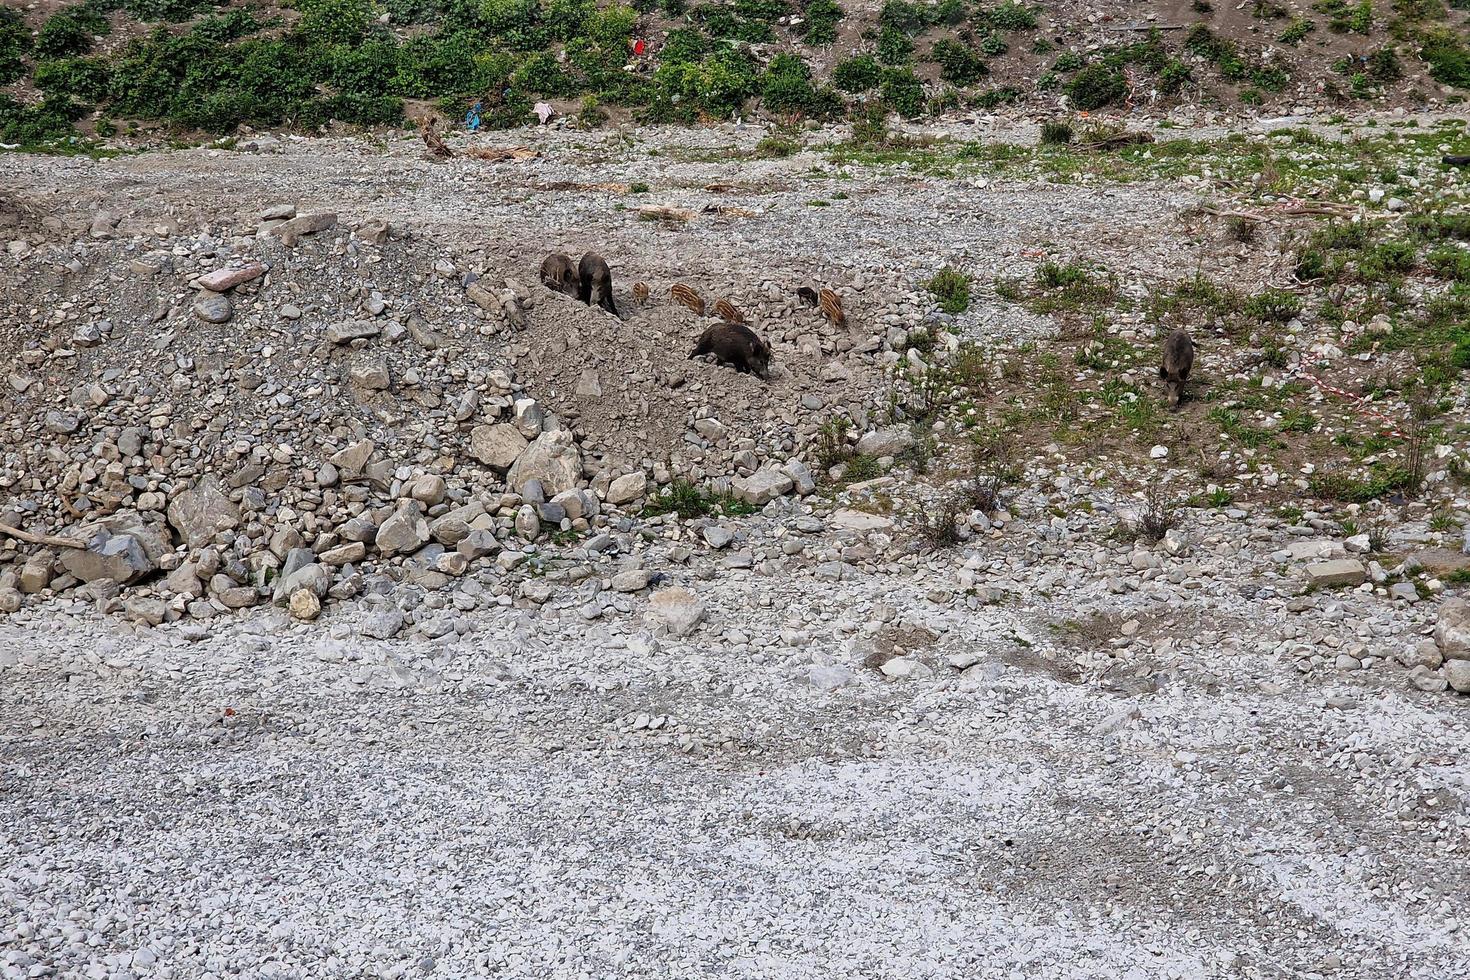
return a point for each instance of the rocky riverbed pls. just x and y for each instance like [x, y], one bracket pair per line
[390, 615]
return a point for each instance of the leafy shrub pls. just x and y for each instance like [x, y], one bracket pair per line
[951, 12]
[86, 78]
[903, 91]
[958, 63]
[894, 46]
[173, 11]
[15, 43]
[1447, 57]
[787, 88]
[69, 32]
[542, 74]
[1296, 31]
[1096, 86]
[1175, 76]
[1011, 16]
[820, 26]
[591, 114]
[333, 21]
[1451, 262]
[716, 86]
[1068, 61]
[1274, 305]
[901, 15]
[858, 74]
[29, 125]
[952, 289]
[1384, 66]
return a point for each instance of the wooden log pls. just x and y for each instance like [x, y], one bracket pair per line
[41, 539]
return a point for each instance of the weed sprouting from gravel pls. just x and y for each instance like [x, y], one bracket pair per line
[1159, 514]
[951, 288]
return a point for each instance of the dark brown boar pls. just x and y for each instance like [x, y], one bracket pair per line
[738, 346]
[1177, 363]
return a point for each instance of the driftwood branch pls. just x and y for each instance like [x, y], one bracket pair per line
[41, 539]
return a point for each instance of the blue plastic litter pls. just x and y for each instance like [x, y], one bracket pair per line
[472, 118]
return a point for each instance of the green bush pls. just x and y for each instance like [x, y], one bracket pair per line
[820, 26]
[333, 21]
[900, 15]
[15, 43]
[715, 86]
[1274, 305]
[29, 125]
[952, 289]
[173, 11]
[787, 88]
[1447, 57]
[894, 46]
[69, 32]
[1011, 16]
[1175, 76]
[951, 13]
[958, 63]
[1096, 86]
[903, 92]
[85, 78]
[540, 73]
[858, 74]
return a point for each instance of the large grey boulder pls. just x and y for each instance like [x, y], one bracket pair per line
[552, 459]
[120, 557]
[885, 442]
[677, 609]
[201, 513]
[497, 446]
[762, 486]
[406, 531]
[1452, 631]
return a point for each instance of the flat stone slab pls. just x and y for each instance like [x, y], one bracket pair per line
[1339, 571]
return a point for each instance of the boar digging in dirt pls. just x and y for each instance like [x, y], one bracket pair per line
[738, 346]
[596, 279]
[558, 273]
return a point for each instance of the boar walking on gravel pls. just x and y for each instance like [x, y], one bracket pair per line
[1178, 362]
[738, 346]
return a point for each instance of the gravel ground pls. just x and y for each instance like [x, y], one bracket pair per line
[548, 796]
[1047, 753]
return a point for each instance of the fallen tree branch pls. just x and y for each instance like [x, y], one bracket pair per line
[41, 539]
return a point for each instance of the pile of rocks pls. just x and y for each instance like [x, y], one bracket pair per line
[261, 414]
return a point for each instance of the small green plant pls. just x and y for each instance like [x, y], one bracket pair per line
[832, 447]
[776, 147]
[1010, 16]
[1274, 306]
[1159, 514]
[1055, 132]
[592, 114]
[951, 288]
[959, 64]
[1296, 31]
[860, 74]
[1096, 86]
